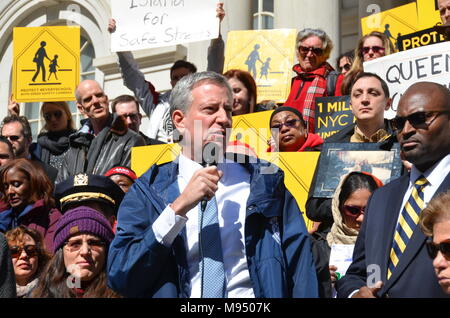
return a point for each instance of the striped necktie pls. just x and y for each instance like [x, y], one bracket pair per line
[407, 223]
[211, 258]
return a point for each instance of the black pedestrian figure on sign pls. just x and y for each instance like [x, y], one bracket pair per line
[52, 66]
[251, 60]
[265, 68]
[387, 32]
[39, 60]
[398, 42]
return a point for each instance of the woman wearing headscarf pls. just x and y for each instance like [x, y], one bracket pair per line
[348, 204]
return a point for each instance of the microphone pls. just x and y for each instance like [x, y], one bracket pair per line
[210, 156]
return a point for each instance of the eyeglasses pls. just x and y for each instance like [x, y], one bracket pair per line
[75, 245]
[315, 50]
[353, 211]
[433, 249]
[12, 138]
[375, 49]
[289, 123]
[49, 115]
[30, 250]
[417, 119]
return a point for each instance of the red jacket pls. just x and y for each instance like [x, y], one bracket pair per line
[312, 143]
[301, 86]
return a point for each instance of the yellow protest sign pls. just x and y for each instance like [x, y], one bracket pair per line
[46, 65]
[393, 23]
[251, 129]
[403, 25]
[428, 13]
[266, 54]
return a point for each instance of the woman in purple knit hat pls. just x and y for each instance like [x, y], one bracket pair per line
[77, 269]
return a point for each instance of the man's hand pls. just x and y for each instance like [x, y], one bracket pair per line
[220, 11]
[368, 292]
[203, 185]
[111, 25]
[13, 106]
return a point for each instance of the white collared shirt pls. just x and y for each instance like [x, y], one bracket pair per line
[231, 196]
[435, 176]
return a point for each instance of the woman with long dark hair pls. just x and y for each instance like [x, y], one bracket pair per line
[29, 195]
[78, 267]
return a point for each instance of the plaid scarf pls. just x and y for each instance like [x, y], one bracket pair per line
[318, 88]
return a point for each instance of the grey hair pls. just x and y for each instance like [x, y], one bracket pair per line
[181, 95]
[308, 32]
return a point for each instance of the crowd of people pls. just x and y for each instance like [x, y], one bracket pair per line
[77, 222]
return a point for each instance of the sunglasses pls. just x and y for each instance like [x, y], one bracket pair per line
[131, 116]
[75, 245]
[49, 115]
[315, 50]
[346, 67]
[30, 250]
[289, 123]
[12, 138]
[433, 249]
[375, 49]
[418, 119]
[353, 211]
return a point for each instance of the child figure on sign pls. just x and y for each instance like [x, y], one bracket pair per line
[52, 66]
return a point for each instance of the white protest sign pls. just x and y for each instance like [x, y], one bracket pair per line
[341, 257]
[142, 24]
[400, 70]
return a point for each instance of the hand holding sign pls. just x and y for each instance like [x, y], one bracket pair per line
[155, 23]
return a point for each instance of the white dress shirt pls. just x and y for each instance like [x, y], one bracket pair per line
[231, 196]
[435, 176]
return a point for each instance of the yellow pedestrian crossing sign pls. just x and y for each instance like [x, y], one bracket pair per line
[46, 65]
[268, 55]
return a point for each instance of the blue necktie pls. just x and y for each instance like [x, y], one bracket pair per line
[211, 258]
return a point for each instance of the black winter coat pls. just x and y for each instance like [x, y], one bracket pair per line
[97, 154]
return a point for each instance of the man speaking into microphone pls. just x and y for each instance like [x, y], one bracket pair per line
[222, 230]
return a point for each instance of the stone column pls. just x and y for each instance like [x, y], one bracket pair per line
[317, 14]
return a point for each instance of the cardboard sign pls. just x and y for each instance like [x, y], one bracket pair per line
[403, 20]
[266, 54]
[332, 114]
[142, 24]
[46, 63]
[341, 256]
[428, 63]
[393, 23]
[418, 39]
